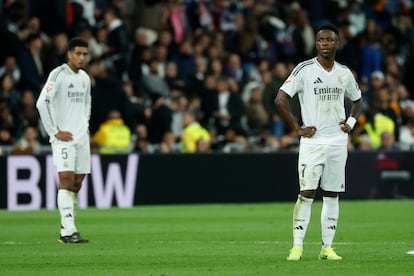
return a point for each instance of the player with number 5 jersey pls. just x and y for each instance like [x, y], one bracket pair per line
[64, 106]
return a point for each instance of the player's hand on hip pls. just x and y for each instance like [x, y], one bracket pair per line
[345, 127]
[307, 132]
[65, 136]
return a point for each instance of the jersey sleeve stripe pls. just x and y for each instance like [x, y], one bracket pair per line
[301, 66]
[56, 74]
[49, 110]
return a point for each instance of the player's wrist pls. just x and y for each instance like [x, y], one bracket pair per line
[351, 121]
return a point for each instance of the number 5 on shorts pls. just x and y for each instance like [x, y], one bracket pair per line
[64, 153]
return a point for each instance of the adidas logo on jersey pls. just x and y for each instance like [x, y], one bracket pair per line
[71, 85]
[318, 80]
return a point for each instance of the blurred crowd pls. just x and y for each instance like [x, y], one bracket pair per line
[202, 75]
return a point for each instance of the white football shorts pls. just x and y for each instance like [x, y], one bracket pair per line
[72, 156]
[322, 165]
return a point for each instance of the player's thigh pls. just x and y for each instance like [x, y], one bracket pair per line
[310, 166]
[83, 158]
[333, 177]
[64, 156]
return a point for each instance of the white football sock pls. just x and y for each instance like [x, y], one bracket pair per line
[66, 209]
[329, 220]
[301, 218]
[75, 203]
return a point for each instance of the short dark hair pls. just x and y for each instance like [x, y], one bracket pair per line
[77, 42]
[328, 26]
[32, 37]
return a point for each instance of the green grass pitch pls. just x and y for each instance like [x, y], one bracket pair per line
[218, 239]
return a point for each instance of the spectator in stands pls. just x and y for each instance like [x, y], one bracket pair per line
[14, 16]
[107, 94]
[31, 64]
[28, 115]
[173, 16]
[56, 54]
[215, 67]
[349, 47]
[389, 107]
[376, 82]
[141, 140]
[194, 137]
[7, 120]
[406, 141]
[404, 98]
[136, 109]
[178, 105]
[374, 124]
[370, 51]
[6, 138]
[139, 45]
[96, 49]
[303, 36]
[279, 74]
[161, 54]
[257, 117]
[154, 82]
[185, 59]
[28, 143]
[195, 83]
[248, 41]
[228, 108]
[169, 143]
[113, 136]
[34, 27]
[364, 143]
[161, 118]
[231, 141]
[171, 76]
[88, 11]
[117, 41]
[8, 91]
[207, 94]
[101, 33]
[10, 67]
[165, 38]
[227, 23]
[139, 65]
[234, 69]
[388, 142]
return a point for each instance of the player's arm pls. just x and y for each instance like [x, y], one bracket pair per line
[356, 109]
[283, 104]
[353, 93]
[88, 101]
[46, 109]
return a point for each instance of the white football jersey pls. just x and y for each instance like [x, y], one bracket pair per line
[65, 102]
[321, 95]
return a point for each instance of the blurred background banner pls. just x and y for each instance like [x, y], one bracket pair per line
[29, 182]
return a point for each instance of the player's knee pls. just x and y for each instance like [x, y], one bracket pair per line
[78, 182]
[329, 194]
[308, 193]
[67, 183]
[76, 187]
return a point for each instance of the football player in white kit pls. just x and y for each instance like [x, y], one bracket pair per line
[64, 106]
[322, 85]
